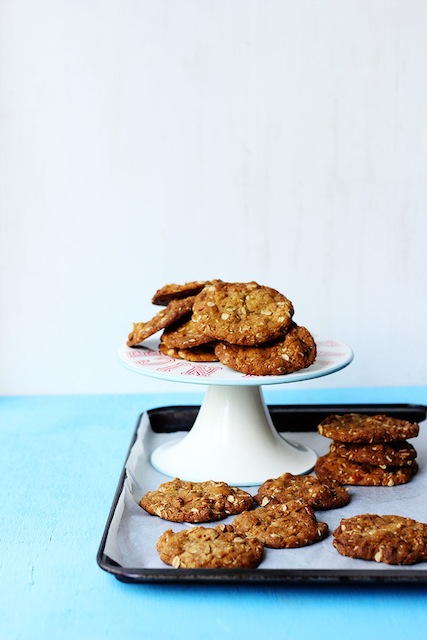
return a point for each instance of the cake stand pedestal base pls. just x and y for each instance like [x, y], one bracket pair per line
[234, 440]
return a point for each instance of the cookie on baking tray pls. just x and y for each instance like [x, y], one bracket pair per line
[177, 291]
[209, 548]
[344, 471]
[202, 353]
[281, 525]
[292, 352]
[183, 501]
[309, 489]
[175, 310]
[244, 313]
[390, 539]
[355, 427]
[394, 454]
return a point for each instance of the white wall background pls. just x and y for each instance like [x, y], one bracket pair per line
[152, 141]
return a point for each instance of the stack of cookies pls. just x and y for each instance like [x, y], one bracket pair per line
[246, 326]
[368, 450]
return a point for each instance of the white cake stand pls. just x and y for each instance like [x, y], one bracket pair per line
[233, 438]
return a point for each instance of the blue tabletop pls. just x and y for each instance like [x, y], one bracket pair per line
[61, 458]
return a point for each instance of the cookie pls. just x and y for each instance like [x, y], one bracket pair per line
[394, 454]
[293, 352]
[175, 310]
[334, 467]
[182, 501]
[390, 539]
[209, 548]
[184, 335]
[242, 313]
[355, 427]
[309, 489]
[281, 525]
[203, 353]
[177, 291]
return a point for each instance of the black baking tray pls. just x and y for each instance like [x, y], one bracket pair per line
[289, 418]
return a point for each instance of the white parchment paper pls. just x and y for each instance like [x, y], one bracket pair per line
[132, 535]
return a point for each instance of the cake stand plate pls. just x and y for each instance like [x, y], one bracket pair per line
[233, 438]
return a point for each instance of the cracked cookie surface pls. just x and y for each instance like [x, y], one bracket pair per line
[282, 525]
[355, 427]
[175, 310]
[390, 538]
[244, 313]
[293, 352]
[209, 548]
[184, 335]
[183, 501]
[344, 471]
[309, 489]
[395, 454]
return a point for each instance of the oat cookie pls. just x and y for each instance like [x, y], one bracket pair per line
[184, 335]
[344, 471]
[177, 291]
[182, 501]
[391, 539]
[203, 353]
[175, 310]
[309, 489]
[355, 427]
[209, 548]
[281, 525]
[293, 352]
[394, 454]
[244, 313]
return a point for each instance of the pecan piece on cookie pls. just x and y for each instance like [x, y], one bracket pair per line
[293, 352]
[184, 501]
[309, 489]
[244, 313]
[356, 427]
[209, 548]
[282, 525]
[390, 539]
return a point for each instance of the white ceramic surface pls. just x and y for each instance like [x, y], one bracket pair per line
[233, 438]
[147, 360]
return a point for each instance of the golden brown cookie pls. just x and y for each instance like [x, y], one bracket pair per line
[281, 525]
[209, 548]
[293, 352]
[182, 501]
[392, 454]
[244, 313]
[175, 310]
[177, 291]
[203, 353]
[356, 427]
[391, 539]
[184, 335]
[335, 467]
[309, 489]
